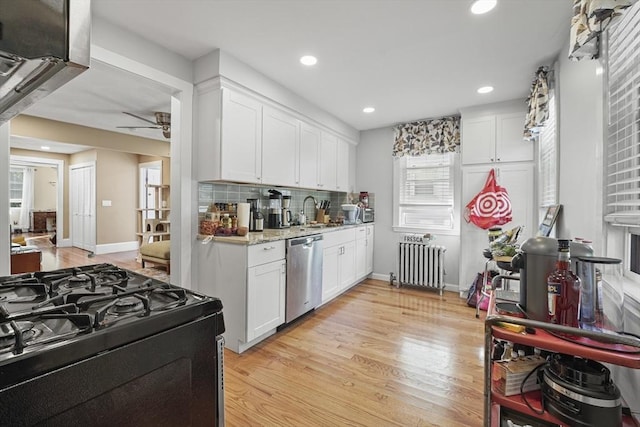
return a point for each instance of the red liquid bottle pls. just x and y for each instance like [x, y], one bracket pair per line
[563, 288]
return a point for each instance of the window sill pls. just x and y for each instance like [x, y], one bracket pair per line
[433, 231]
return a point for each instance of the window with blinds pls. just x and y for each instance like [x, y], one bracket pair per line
[548, 159]
[16, 176]
[622, 171]
[424, 191]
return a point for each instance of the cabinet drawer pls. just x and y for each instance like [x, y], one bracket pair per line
[333, 238]
[265, 252]
[361, 232]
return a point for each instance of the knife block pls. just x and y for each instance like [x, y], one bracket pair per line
[320, 216]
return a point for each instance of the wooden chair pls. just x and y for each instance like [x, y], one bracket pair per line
[156, 252]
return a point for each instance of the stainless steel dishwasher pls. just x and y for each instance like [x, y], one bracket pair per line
[304, 275]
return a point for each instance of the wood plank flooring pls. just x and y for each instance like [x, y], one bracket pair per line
[54, 258]
[375, 356]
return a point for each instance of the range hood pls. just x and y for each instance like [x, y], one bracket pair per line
[43, 45]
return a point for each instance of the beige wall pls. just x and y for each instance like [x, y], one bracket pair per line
[116, 181]
[45, 188]
[116, 156]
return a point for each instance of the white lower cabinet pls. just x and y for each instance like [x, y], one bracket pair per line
[369, 260]
[339, 263]
[265, 298]
[364, 251]
[250, 282]
[330, 272]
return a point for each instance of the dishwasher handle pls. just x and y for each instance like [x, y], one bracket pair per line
[307, 241]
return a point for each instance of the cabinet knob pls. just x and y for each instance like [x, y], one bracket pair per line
[492, 160]
[497, 160]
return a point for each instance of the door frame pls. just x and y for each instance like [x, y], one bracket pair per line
[183, 184]
[38, 161]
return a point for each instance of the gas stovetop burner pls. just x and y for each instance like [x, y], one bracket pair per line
[77, 281]
[8, 334]
[126, 305]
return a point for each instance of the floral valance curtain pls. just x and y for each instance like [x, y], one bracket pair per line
[427, 137]
[590, 18]
[538, 103]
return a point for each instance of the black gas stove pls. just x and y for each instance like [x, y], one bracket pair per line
[110, 335]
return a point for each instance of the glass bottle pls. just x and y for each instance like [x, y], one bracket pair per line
[563, 289]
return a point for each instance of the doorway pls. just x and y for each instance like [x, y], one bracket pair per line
[150, 174]
[82, 201]
[44, 187]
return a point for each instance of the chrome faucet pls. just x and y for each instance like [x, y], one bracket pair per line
[315, 205]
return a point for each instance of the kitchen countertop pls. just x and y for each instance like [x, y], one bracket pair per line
[271, 235]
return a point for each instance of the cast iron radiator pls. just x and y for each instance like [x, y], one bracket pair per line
[421, 264]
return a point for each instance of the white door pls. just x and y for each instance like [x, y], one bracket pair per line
[82, 195]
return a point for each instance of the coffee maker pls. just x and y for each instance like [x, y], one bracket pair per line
[286, 212]
[274, 218]
[256, 219]
[536, 261]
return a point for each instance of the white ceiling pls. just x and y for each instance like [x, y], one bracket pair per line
[410, 59]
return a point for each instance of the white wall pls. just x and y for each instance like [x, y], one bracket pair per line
[581, 147]
[375, 175]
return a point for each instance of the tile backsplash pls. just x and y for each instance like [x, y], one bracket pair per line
[209, 193]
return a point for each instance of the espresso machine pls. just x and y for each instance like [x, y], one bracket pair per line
[274, 216]
[286, 212]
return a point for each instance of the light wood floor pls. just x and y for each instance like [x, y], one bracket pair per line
[374, 356]
[55, 258]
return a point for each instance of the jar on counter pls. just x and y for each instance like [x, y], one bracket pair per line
[226, 221]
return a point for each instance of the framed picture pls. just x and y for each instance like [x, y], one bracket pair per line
[549, 220]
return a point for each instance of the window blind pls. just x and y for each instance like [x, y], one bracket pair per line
[15, 184]
[425, 191]
[623, 140]
[548, 159]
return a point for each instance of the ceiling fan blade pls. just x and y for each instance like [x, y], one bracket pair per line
[139, 118]
[138, 127]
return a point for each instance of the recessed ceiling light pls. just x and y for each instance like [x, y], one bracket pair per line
[485, 89]
[368, 110]
[309, 60]
[45, 147]
[483, 6]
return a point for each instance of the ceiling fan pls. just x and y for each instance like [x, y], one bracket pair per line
[163, 121]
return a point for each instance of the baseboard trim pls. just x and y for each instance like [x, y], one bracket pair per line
[64, 243]
[110, 248]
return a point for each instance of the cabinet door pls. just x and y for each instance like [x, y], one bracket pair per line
[328, 155]
[241, 138]
[342, 166]
[280, 148]
[265, 298]
[361, 257]
[330, 273]
[347, 265]
[478, 140]
[369, 261]
[309, 156]
[510, 144]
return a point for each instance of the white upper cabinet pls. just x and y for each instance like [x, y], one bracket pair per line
[495, 138]
[309, 156]
[328, 161]
[510, 143]
[241, 136]
[342, 166]
[280, 147]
